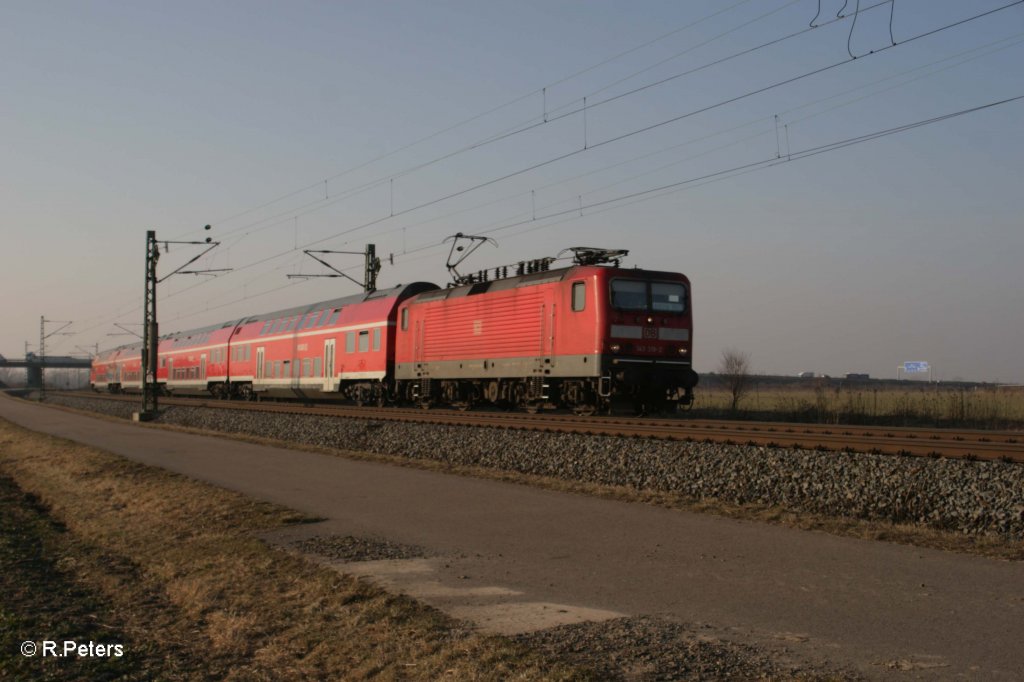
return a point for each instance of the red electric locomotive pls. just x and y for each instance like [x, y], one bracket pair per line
[584, 337]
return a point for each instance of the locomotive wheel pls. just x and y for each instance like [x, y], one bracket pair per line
[534, 407]
[519, 395]
[584, 410]
[492, 392]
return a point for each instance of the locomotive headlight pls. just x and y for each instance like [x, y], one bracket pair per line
[615, 348]
[684, 350]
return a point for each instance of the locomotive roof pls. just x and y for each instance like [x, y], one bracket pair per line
[532, 279]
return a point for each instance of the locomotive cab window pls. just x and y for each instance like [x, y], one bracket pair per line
[629, 294]
[668, 297]
[405, 319]
[579, 296]
[656, 297]
[364, 341]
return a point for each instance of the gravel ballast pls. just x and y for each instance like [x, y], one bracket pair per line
[970, 497]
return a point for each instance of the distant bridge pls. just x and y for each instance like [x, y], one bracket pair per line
[34, 365]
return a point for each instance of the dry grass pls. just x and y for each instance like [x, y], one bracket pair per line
[856, 403]
[193, 594]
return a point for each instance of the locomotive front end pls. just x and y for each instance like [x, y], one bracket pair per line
[647, 352]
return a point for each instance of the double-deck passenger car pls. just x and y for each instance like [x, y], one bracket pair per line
[340, 347]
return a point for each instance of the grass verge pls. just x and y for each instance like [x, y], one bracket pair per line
[97, 548]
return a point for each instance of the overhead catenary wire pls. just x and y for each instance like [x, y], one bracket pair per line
[614, 139]
[762, 164]
[487, 112]
[517, 129]
[803, 154]
[1006, 42]
[743, 169]
[659, 124]
[319, 204]
[688, 50]
[514, 130]
[124, 310]
[735, 171]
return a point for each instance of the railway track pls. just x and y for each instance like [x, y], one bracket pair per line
[953, 443]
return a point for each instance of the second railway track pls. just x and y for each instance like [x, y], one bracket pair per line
[972, 444]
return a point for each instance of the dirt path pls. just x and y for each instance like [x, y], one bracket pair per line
[514, 558]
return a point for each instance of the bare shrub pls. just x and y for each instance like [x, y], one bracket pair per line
[735, 372]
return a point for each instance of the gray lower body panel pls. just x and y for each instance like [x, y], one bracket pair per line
[631, 369]
[502, 368]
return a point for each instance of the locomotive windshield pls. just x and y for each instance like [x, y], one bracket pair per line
[657, 297]
[668, 297]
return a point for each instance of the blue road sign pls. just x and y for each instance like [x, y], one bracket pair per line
[915, 367]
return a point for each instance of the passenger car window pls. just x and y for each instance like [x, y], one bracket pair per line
[364, 341]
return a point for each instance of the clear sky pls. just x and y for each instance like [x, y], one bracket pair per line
[291, 124]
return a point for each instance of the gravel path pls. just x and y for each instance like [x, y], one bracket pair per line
[959, 495]
[650, 648]
[350, 548]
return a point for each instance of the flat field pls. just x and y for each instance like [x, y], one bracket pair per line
[830, 401]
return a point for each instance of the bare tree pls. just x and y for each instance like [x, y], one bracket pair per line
[735, 371]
